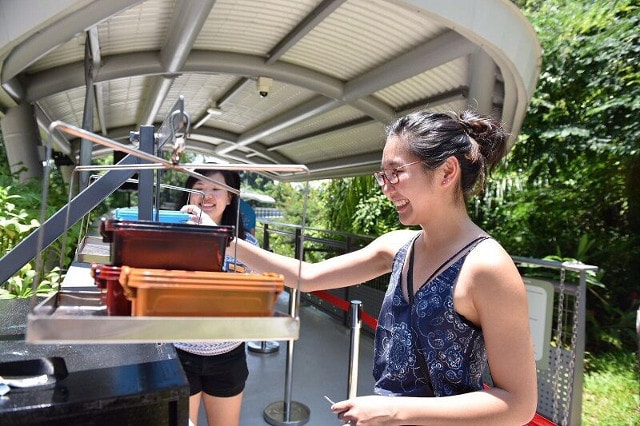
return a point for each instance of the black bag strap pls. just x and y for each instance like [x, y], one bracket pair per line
[423, 364]
[410, 291]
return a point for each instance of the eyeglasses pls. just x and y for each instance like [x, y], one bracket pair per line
[205, 192]
[391, 175]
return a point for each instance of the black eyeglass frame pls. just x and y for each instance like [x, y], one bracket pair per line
[392, 179]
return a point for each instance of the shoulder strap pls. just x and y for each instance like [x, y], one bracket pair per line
[410, 291]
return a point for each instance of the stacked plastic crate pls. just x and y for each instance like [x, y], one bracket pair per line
[173, 268]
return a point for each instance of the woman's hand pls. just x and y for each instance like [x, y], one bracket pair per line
[196, 216]
[366, 410]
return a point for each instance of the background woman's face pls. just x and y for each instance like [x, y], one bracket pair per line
[216, 198]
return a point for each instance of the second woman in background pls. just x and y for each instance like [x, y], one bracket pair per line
[217, 372]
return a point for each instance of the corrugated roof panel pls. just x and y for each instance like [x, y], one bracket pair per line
[459, 104]
[359, 36]
[346, 143]
[250, 26]
[246, 109]
[334, 118]
[66, 106]
[198, 90]
[72, 51]
[140, 28]
[123, 96]
[436, 81]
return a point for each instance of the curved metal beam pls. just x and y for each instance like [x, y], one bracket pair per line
[445, 48]
[313, 107]
[323, 10]
[53, 34]
[185, 27]
[506, 35]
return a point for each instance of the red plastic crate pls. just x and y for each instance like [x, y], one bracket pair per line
[107, 278]
[146, 244]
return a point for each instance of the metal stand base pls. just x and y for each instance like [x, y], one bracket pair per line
[263, 347]
[275, 414]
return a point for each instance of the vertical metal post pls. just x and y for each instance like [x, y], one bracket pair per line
[575, 413]
[87, 116]
[288, 380]
[289, 412]
[266, 242]
[264, 347]
[145, 181]
[354, 348]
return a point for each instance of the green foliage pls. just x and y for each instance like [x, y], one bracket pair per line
[21, 284]
[20, 211]
[14, 222]
[359, 207]
[298, 203]
[571, 186]
[611, 389]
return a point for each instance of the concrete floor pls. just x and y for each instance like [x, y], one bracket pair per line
[320, 367]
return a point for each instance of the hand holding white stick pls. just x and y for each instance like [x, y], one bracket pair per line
[197, 216]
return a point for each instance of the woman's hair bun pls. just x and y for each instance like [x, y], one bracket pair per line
[490, 136]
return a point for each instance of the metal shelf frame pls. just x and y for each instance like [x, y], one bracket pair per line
[73, 317]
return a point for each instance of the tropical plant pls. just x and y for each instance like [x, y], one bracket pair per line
[577, 160]
[20, 213]
[359, 207]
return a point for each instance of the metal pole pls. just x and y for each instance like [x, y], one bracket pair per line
[288, 382]
[575, 397]
[288, 412]
[264, 347]
[87, 116]
[354, 348]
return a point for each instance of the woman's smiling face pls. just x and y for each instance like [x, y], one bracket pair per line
[411, 192]
[216, 198]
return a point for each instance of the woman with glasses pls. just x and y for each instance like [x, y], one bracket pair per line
[217, 372]
[455, 311]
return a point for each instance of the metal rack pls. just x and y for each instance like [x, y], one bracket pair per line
[560, 372]
[75, 316]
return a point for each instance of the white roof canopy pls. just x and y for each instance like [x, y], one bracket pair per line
[334, 71]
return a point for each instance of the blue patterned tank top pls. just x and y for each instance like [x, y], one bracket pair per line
[426, 348]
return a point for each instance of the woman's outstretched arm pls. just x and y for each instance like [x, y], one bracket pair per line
[356, 267]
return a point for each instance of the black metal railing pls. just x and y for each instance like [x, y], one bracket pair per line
[312, 244]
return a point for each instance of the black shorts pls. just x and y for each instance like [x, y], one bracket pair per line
[221, 375]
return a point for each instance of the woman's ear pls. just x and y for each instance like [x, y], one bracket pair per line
[450, 170]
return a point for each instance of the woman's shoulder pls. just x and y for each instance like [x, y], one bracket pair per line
[489, 261]
[488, 253]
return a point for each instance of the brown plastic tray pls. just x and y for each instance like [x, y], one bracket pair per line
[147, 244]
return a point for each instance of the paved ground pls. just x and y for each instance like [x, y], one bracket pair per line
[320, 367]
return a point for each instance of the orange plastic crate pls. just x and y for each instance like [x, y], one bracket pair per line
[162, 292]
